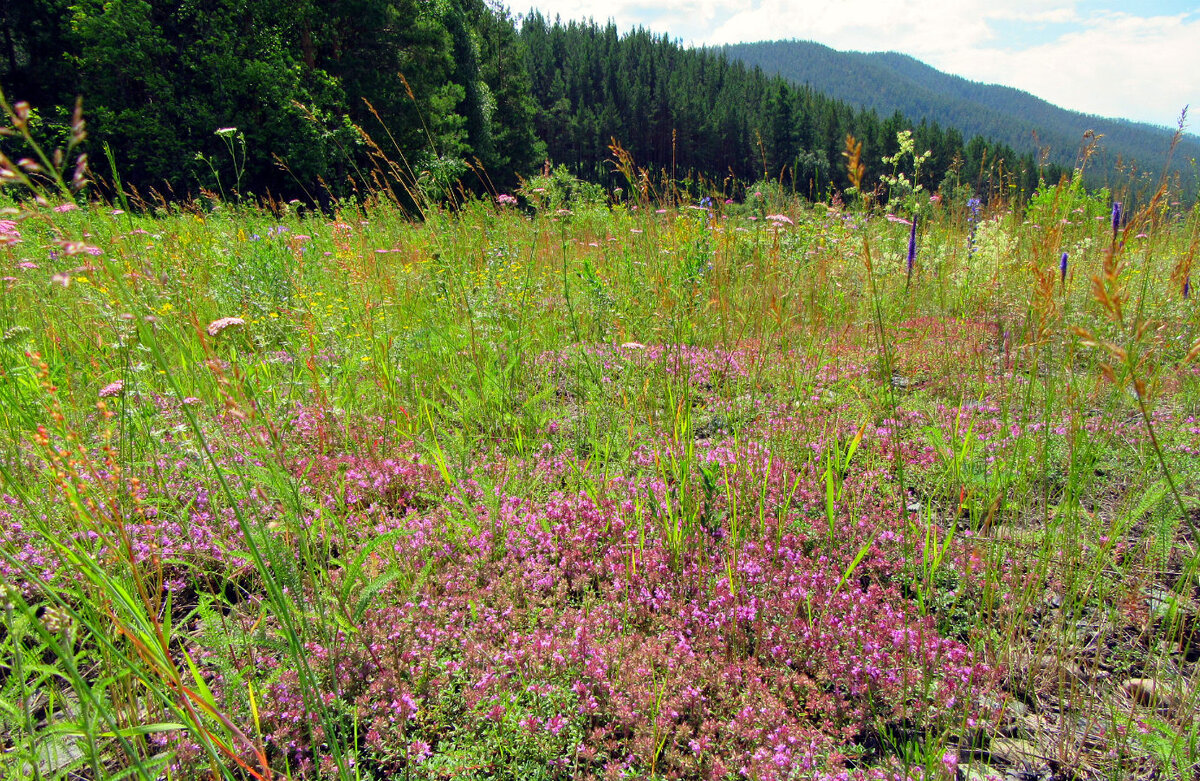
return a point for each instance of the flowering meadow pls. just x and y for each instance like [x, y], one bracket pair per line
[753, 489]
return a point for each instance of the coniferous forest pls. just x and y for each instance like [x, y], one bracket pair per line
[305, 99]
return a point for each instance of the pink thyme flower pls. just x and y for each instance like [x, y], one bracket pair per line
[65, 207]
[217, 326]
[112, 389]
[504, 199]
[780, 218]
[556, 723]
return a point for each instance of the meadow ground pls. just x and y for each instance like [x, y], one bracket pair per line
[600, 491]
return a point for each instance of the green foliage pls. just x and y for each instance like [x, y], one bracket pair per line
[509, 747]
[258, 278]
[297, 77]
[561, 190]
[439, 176]
[515, 150]
[1068, 200]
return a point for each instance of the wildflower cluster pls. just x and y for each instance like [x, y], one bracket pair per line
[598, 491]
[221, 324]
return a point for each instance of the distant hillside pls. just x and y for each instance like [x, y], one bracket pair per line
[888, 82]
[710, 122]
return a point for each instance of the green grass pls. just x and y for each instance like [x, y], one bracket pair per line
[495, 423]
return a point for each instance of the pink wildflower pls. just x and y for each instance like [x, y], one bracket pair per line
[112, 389]
[8, 232]
[65, 207]
[556, 723]
[217, 326]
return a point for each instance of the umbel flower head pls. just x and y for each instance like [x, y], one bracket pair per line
[217, 326]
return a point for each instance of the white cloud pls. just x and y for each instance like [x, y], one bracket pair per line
[1108, 63]
[1116, 65]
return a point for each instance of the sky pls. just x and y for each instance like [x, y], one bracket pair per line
[1137, 60]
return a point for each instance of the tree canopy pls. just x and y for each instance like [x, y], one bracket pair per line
[322, 100]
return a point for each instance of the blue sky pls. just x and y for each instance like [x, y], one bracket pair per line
[1135, 60]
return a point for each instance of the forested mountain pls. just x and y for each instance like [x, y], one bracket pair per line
[322, 99]
[694, 113]
[889, 82]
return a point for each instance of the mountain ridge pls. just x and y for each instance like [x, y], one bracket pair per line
[891, 81]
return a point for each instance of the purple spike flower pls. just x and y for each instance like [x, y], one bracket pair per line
[1187, 285]
[1062, 267]
[912, 245]
[1116, 217]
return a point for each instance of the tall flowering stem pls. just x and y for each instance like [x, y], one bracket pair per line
[974, 207]
[1062, 268]
[912, 250]
[1116, 218]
